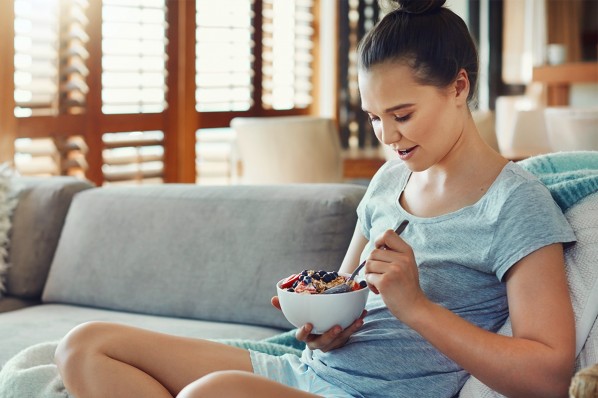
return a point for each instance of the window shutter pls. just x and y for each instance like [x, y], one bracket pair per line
[287, 57]
[133, 56]
[50, 79]
[50, 56]
[48, 156]
[224, 60]
[133, 157]
[216, 163]
[134, 39]
[36, 57]
[73, 56]
[37, 156]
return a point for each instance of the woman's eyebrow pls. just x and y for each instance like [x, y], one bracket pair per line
[397, 107]
[392, 108]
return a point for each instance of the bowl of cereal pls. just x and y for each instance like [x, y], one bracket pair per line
[303, 300]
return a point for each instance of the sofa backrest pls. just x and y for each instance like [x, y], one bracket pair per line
[200, 252]
[42, 205]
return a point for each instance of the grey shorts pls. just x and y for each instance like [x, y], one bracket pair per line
[289, 370]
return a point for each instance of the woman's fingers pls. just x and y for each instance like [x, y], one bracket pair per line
[346, 334]
[391, 240]
[334, 338]
[303, 333]
[320, 342]
[275, 302]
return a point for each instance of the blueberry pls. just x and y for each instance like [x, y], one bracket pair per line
[290, 290]
[363, 284]
[328, 278]
[304, 272]
[295, 284]
[316, 276]
[307, 280]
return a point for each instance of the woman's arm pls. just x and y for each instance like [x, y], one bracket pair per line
[358, 243]
[537, 361]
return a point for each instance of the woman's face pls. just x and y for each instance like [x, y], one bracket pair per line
[421, 123]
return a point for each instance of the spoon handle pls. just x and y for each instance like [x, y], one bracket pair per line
[398, 231]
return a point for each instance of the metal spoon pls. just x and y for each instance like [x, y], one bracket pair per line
[345, 287]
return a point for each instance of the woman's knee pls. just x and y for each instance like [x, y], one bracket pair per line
[79, 344]
[217, 385]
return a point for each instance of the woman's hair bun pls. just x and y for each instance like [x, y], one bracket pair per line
[412, 6]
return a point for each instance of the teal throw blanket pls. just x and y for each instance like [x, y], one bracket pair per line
[569, 176]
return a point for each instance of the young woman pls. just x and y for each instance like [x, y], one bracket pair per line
[484, 242]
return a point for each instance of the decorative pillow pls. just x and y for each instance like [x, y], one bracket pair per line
[7, 205]
[581, 262]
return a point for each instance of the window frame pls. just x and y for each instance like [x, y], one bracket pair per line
[179, 121]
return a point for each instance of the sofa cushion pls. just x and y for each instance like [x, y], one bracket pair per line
[59, 319]
[212, 253]
[36, 224]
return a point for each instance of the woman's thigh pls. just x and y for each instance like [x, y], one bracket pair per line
[173, 361]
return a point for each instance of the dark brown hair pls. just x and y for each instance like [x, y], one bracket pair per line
[430, 38]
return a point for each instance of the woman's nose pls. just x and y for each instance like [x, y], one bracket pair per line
[390, 133]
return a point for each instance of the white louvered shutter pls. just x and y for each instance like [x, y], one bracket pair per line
[224, 60]
[287, 55]
[133, 56]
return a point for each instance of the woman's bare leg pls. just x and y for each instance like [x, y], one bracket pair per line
[236, 384]
[99, 359]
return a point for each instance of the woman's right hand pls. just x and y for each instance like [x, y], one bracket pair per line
[334, 338]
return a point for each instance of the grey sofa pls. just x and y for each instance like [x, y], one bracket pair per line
[202, 261]
[183, 259]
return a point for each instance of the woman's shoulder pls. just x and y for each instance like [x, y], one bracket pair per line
[515, 179]
[514, 191]
[520, 195]
[514, 170]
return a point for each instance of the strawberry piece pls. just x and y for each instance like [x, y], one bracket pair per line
[289, 281]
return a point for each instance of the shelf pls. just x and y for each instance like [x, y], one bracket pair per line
[361, 168]
[559, 78]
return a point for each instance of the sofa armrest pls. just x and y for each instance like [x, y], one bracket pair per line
[37, 220]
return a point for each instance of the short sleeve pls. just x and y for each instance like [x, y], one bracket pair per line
[529, 220]
[380, 188]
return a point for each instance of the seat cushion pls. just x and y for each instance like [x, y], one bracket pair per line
[21, 329]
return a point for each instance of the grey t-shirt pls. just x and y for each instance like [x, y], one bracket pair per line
[462, 258]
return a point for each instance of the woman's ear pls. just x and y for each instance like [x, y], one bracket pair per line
[461, 85]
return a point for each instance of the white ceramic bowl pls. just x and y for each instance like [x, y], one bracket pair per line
[323, 311]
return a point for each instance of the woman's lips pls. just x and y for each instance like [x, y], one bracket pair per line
[406, 153]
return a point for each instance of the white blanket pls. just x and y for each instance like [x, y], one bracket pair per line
[32, 374]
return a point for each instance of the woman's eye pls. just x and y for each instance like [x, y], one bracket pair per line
[402, 118]
[374, 119]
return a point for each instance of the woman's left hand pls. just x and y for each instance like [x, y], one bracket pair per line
[391, 271]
